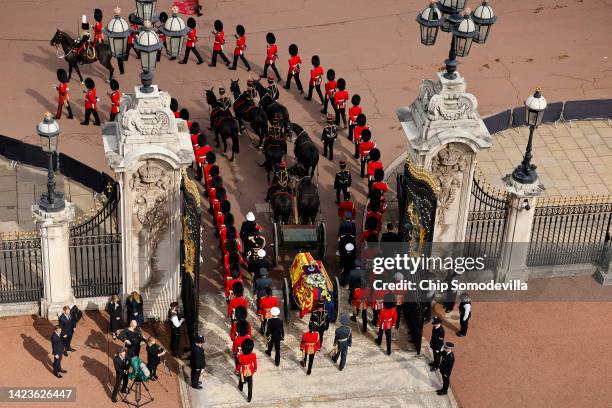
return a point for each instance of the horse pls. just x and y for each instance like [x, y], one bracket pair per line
[308, 201]
[274, 154]
[74, 59]
[223, 123]
[306, 152]
[246, 110]
[282, 206]
[272, 107]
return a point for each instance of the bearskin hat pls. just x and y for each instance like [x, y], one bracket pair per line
[132, 19]
[173, 104]
[221, 193]
[98, 15]
[240, 30]
[247, 346]
[374, 153]
[366, 135]
[214, 171]
[242, 327]
[361, 119]
[371, 223]
[184, 114]
[233, 257]
[225, 206]
[195, 128]
[341, 84]
[316, 61]
[211, 157]
[356, 100]
[241, 313]
[389, 300]
[379, 174]
[228, 220]
[331, 74]
[62, 76]
[293, 50]
[201, 139]
[217, 182]
[89, 83]
[218, 25]
[231, 245]
[114, 85]
[270, 38]
[163, 17]
[238, 289]
[191, 23]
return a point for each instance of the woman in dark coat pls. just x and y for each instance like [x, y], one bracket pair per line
[133, 304]
[115, 312]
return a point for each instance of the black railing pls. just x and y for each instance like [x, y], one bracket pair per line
[21, 270]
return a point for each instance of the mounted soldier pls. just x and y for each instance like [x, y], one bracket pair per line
[251, 92]
[83, 44]
[224, 102]
[275, 131]
[272, 89]
[280, 181]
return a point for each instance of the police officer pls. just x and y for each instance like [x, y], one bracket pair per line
[275, 333]
[342, 341]
[122, 367]
[329, 135]
[57, 349]
[342, 182]
[198, 362]
[175, 320]
[320, 318]
[446, 367]
[437, 342]
[465, 313]
[224, 102]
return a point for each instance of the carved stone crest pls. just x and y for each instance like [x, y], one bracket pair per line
[154, 122]
[447, 166]
[452, 107]
[150, 184]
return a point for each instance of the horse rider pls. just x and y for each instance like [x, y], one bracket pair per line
[251, 91]
[272, 89]
[280, 181]
[83, 42]
[225, 103]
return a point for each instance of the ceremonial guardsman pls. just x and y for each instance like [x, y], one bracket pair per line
[330, 89]
[347, 209]
[91, 102]
[256, 242]
[246, 366]
[340, 98]
[265, 305]
[251, 91]
[115, 97]
[241, 316]
[342, 341]
[465, 313]
[261, 286]
[275, 333]
[275, 130]
[329, 136]
[239, 49]
[316, 74]
[320, 319]
[84, 33]
[386, 320]
[360, 304]
[353, 112]
[192, 39]
[437, 342]
[218, 43]
[379, 183]
[447, 361]
[131, 39]
[224, 101]
[238, 300]
[366, 145]
[342, 182]
[242, 333]
[271, 89]
[360, 126]
[198, 362]
[163, 17]
[175, 321]
[271, 56]
[310, 344]
[62, 94]
[294, 68]
[98, 27]
[247, 230]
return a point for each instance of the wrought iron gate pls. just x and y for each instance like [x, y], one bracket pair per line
[417, 202]
[190, 254]
[486, 224]
[95, 250]
[21, 270]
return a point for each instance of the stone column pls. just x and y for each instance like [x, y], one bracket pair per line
[148, 148]
[517, 236]
[54, 231]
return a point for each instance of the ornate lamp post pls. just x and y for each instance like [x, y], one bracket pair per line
[145, 11]
[148, 43]
[446, 14]
[49, 131]
[175, 31]
[118, 30]
[535, 105]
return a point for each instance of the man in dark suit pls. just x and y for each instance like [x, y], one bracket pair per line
[390, 235]
[57, 349]
[446, 367]
[437, 342]
[275, 333]
[68, 325]
[198, 362]
[122, 367]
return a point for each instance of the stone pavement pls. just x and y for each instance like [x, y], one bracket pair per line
[573, 158]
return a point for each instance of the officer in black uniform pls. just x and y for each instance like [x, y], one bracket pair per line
[255, 242]
[261, 284]
[198, 362]
[329, 136]
[437, 342]
[342, 341]
[275, 333]
[465, 313]
[259, 261]
[272, 89]
[320, 318]
[122, 367]
[342, 182]
[175, 321]
[224, 102]
[446, 367]
[348, 255]
[247, 230]
[57, 349]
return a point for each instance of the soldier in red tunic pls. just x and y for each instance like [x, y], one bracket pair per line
[218, 44]
[330, 89]
[131, 39]
[340, 98]
[294, 68]
[316, 73]
[115, 97]
[163, 17]
[360, 126]
[310, 344]
[192, 39]
[271, 56]
[360, 303]
[266, 303]
[386, 320]
[174, 107]
[62, 94]
[238, 300]
[98, 27]
[366, 145]
[91, 102]
[246, 367]
[240, 47]
[353, 112]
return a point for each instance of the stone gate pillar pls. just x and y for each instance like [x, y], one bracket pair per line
[147, 148]
[445, 132]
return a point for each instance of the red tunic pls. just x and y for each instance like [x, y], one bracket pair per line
[311, 342]
[219, 41]
[376, 302]
[62, 92]
[200, 153]
[366, 234]
[360, 298]
[387, 318]
[294, 64]
[340, 98]
[233, 333]
[373, 166]
[345, 206]
[192, 38]
[115, 97]
[315, 76]
[234, 303]
[90, 99]
[229, 284]
[240, 45]
[177, 115]
[378, 216]
[330, 88]
[98, 34]
[365, 147]
[380, 185]
[266, 304]
[357, 132]
[194, 141]
[353, 112]
[133, 35]
[271, 53]
[237, 344]
[247, 364]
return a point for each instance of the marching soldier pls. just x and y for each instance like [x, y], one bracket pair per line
[256, 242]
[330, 89]
[346, 208]
[175, 321]
[225, 103]
[91, 102]
[190, 45]
[238, 300]
[329, 135]
[353, 112]
[84, 31]
[271, 56]
[58, 350]
[98, 27]
[241, 316]
[235, 275]
[242, 333]
[261, 285]
[340, 98]
[310, 344]
[342, 182]
[246, 365]
[240, 47]
[294, 68]
[320, 319]
[62, 94]
[218, 44]
[265, 305]
[272, 90]
[342, 341]
[131, 39]
[275, 333]
[163, 17]
[465, 313]
[360, 126]
[446, 367]
[316, 74]
[366, 145]
[198, 362]
[386, 320]
[275, 130]
[115, 97]
[360, 303]
[437, 342]
[247, 230]
[122, 367]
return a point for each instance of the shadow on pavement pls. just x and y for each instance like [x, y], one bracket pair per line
[37, 351]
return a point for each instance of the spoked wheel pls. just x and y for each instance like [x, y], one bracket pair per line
[321, 241]
[275, 246]
[335, 299]
[286, 304]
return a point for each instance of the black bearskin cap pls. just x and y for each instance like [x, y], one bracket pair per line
[293, 50]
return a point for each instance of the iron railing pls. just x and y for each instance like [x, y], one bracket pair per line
[21, 270]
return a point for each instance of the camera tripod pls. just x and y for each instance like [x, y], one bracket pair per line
[137, 394]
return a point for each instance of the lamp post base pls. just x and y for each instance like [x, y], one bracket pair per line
[56, 204]
[451, 68]
[146, 78]
[525, 174]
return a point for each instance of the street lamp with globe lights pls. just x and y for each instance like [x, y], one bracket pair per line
[118, 30]
[48, 130]
[148, 43]
[175, 31]
[145, 11]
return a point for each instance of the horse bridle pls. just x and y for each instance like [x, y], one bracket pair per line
[60, 35]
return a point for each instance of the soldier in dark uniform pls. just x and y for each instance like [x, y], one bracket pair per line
[122, 367]
[465, 313]
[342, 341]
[446, 367]
[131, 337]
[68, 325]
[175, 321]
[272, 89]
[256, 242]
[329, 135]
[224, 102]
[248, 229]
[259, 262]
[261, 284]
[437, 342]
[198, 362]
[320, 318]
[342, 182]
[275, 333]
[57, 349]
[348, 255]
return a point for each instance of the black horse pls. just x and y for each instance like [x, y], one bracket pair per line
[272, 108]
[223, 123]
[274, 153]
[308, 202]
[74, 59]
[246, 111]
[305, 150]
[282, 206]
